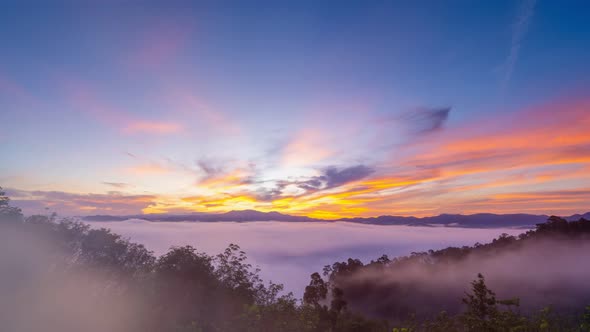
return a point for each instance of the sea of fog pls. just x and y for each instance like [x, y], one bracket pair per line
[288, 253]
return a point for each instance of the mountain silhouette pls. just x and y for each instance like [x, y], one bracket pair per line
[479, 220]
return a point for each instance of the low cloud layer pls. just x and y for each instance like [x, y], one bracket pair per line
[290, 252]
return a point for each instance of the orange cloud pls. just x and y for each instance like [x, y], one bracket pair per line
[522, 163]
[463, 167]
[147, 169]
[547, 129]
[554, 135]
[233, 179]
[556, 195]
[205, 203]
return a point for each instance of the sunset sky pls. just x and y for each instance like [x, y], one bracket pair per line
[320, 108]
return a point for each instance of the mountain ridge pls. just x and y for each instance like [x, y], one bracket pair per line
[478, 220]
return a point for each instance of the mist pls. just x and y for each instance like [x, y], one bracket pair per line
[45, 285]
[42, 292]
[546, 272]
[289, 253]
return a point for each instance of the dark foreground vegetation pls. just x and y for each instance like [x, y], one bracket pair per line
[60, 275]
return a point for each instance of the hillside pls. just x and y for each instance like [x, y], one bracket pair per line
[540, 267]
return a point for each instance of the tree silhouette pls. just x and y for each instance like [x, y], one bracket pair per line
[316, 291]
[8, 213]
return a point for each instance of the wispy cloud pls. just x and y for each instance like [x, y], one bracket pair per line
[332, 177]
[118, 185]
[307, 147]
[151, 127]
[113, 202]
[209, 168]
[329, 178]
[148, 169]
[519, 31]
[159, 43]
[425, 120]
[85, 98]
[410, 127]
[202, 114]
[130, 155]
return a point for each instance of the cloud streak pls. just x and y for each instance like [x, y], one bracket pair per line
[332, 177]
[519, 31]
[85, 98]
[426, 120]
[150, 127]
[117, 185]
[147, 169]
[73, 204]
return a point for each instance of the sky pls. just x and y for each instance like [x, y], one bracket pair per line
[327, 109]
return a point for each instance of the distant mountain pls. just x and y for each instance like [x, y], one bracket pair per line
[241, 215]
[576, 217]
[253, 215]
[480, 220]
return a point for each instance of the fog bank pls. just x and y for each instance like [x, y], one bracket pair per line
[289, 252]
[543, 272]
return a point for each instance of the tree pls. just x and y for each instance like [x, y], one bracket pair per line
[316, 291]
[338, 304]
[585, 326]
[109, 251]
[184, 286]
[442, 323]
[483, 314]
[8, 213]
